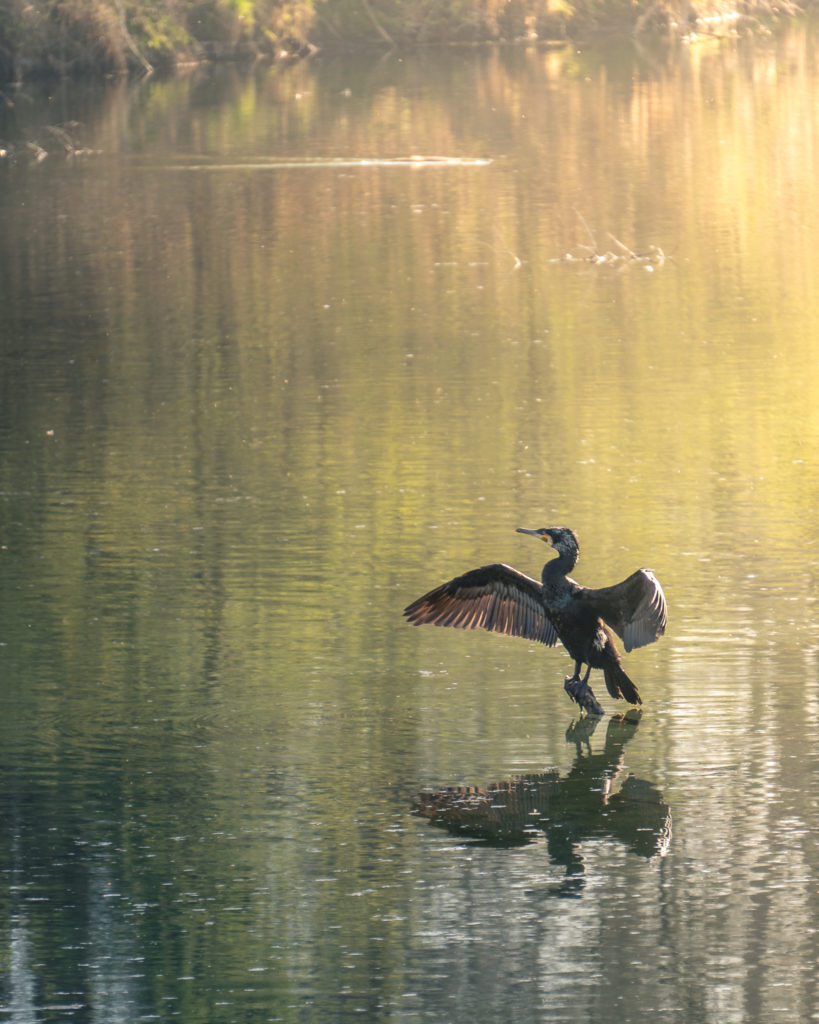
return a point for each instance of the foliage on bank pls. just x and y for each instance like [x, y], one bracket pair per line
[114, 36]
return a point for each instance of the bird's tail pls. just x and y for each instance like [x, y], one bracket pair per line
[619, 685]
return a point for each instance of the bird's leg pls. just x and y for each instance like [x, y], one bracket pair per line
[580, 691]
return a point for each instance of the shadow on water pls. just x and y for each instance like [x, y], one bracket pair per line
[583, 804]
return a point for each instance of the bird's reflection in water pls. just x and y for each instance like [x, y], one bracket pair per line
[585, 803]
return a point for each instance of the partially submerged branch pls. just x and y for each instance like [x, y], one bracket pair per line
[34, 150]
[653, 258]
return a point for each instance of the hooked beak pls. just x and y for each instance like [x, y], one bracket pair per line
[535, 533]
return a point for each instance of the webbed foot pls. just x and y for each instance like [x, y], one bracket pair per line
[581, 693]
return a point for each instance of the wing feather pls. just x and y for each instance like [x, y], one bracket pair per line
[495, 597]
[635, 609]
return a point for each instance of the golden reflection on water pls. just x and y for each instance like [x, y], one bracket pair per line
[246, 417]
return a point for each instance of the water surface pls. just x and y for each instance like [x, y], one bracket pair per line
[263, 380]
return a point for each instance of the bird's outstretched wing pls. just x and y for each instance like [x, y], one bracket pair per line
[635, 609]
[494, 597]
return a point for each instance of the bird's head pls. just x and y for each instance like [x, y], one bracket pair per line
[561, 538]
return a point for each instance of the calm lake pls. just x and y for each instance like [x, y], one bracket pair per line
[264, 379]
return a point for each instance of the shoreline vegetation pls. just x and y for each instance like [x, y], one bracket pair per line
[117, 37]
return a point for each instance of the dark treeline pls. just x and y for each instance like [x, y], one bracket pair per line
[116, 36]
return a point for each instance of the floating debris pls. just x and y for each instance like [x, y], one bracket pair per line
[35, 151]
[652, 259]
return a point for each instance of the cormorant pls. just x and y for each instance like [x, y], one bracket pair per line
[501, 599]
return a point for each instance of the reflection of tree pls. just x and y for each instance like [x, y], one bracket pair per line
[579, 805]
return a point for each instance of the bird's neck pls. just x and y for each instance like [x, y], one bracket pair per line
[560, 566]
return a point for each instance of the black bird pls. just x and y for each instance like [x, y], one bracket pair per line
[503, 600]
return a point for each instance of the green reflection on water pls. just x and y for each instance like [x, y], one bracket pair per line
[245, 417]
